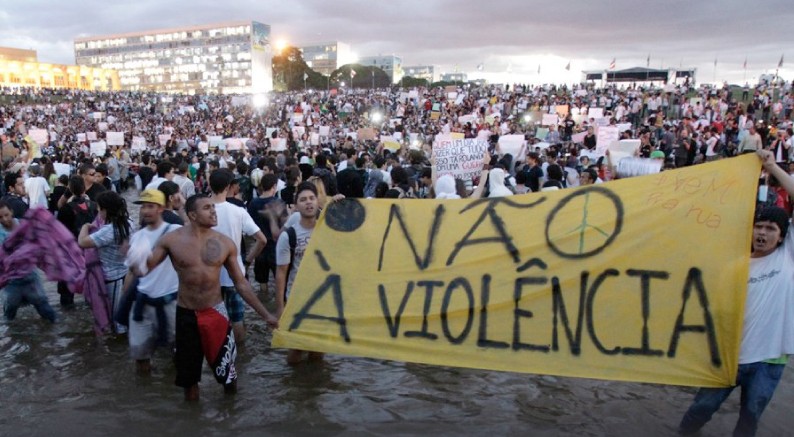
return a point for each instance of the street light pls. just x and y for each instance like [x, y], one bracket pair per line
[259, 101]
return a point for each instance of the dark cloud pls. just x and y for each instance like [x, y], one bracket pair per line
[450, 33]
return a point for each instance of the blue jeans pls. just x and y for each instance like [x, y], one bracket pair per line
[27, 290]
[758, 382]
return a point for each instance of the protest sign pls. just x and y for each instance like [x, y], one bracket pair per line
[550, 120]
[62, 169]
[605, 136]
[623, 127]
[80, 137]
[102, 126]
[115, 138]
[203, 147]
[41, 136]
[541, 133]
[511, 144]
[163, 138]
[98, 148]
[297, 117]
[390, 143]
[138, 143]
[491, 118]
[278, 144]
[239, 100]
[413, 94]
[622, 149]
[325, 131]
[578, 138]
[463, 119]
[91, 136]
[457, 135]
[461, 158]
[452, 95]
[561, 110]
[366, 133]
[315, 139]
[466, 283]
[234, 143]
[594, 112]
[459, 98]
[298, 131]
[215, 141]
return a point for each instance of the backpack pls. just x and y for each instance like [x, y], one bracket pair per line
[84, 211]
[293, 243]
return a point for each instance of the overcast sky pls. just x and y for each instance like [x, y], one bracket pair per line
[511, 38]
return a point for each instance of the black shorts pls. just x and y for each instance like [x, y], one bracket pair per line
[203, 334]
[264, 264]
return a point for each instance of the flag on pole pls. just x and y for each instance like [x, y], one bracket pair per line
[612, 64]
[352, 74]
[480, 67]
[780, 64]
[568, 67]
[373, 73]
[648, 61]
[745, 63]
[305, 76]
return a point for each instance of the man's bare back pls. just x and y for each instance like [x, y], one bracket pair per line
[198, 260]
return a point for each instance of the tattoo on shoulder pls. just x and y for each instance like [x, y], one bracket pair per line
[211, 252]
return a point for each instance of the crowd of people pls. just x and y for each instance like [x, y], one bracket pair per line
[224, 185]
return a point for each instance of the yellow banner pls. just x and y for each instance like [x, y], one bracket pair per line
[640, 279]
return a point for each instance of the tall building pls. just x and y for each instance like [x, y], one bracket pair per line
[454, 77]
[226, 58]
[324, 58]
[21, 68]
[391, 64]
[426, 72]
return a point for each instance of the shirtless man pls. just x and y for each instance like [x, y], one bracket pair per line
[202, 324]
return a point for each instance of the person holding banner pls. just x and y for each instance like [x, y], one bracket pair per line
[290, 250]
[768, 332]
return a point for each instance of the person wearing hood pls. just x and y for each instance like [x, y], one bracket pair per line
[445, 188]
[496, 184]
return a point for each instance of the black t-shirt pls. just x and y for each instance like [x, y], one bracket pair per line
[170, 217]
[94, 191]
[55, 196]
[534, 175]
[146, 174]
[18, 206]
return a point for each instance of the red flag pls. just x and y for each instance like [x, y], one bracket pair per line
[612, 64]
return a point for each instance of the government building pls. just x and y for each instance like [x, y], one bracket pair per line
[21, 68]
[222, 58]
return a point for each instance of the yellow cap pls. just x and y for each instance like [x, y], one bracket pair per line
[151, 196]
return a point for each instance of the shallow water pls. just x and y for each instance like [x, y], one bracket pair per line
[60, 380]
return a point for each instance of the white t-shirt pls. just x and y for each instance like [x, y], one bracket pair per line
[37, 189]
[283, 251]
[162, 280]
[768, 330]
[155, 183]
[233, 222]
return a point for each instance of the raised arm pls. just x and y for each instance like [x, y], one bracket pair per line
[244, 287]
[768, 161]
